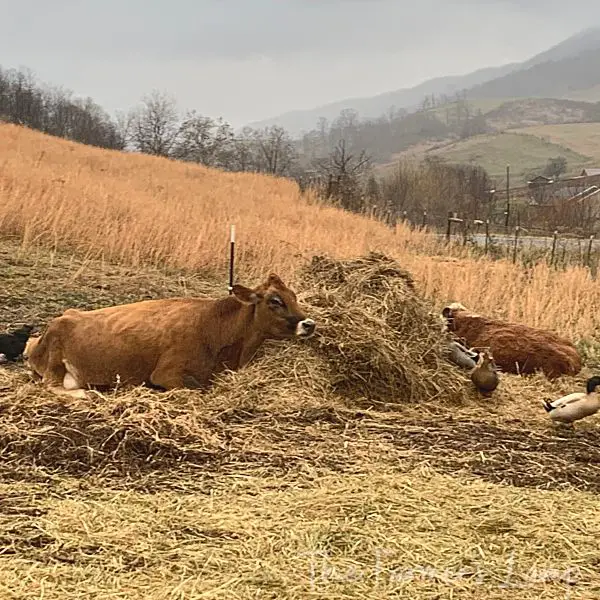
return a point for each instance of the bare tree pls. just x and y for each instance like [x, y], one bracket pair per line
[345, 171]
[555, 167]
[242, 155]
[276, 150]
[25, 101]
[155, 127]
[204, 140]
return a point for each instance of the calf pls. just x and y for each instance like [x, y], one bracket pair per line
[516, 348]
[13, 344]
[168, 343]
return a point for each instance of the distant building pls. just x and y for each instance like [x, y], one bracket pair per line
[590, 172]
[540, 180]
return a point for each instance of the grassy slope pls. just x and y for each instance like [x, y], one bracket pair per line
[586, 95]
[142, 210]
[583, 138]
[279, 500]
[475, 104]
[523, 152]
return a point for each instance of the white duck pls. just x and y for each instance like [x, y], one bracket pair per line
[578, 405]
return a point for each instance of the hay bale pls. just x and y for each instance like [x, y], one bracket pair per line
[377, 340]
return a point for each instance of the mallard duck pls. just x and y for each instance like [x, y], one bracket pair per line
[484, 375]
[578, 405]
[462, 356]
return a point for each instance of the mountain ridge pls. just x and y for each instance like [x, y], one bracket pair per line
[584, 44]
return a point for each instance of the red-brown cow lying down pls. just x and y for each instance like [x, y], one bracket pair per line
[170, 343]
[516, 348]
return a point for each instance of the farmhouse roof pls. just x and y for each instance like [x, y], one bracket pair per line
[541, 179]
[589, 172]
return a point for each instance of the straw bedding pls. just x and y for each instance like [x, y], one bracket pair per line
[378, 343]
[289, 469]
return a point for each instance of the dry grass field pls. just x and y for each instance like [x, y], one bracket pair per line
[583, 138]
[272, 485]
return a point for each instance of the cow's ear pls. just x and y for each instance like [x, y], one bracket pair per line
[447, 312]
[275, 280]
[246, 295]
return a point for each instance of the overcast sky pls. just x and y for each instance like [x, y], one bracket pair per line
[247, 60]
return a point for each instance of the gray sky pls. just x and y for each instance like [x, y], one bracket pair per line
[247, 60]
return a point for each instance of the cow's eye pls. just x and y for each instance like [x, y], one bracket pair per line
[276, 301]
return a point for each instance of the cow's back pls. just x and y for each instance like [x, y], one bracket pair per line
[125, 340]
[520, 348]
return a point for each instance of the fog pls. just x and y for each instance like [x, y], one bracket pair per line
[247, 61]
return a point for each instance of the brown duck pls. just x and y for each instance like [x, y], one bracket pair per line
[484, 375]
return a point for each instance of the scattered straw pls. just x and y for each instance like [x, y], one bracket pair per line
[357, 465]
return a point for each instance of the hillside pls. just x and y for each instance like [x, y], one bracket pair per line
[149, 210]
[563, 71]
[298, 121]
[583, 138]
[524, 153]
[517, 114]
[552, 79]
[270, 485]
[591, 94]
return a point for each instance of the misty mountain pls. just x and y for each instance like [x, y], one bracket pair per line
[551, 79]
[372, 107]
[562, 69]
[588, 39]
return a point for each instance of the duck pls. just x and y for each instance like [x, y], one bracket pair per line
[575, 406]
[484, 375]
[462, 356]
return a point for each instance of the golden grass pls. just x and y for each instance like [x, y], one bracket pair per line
[143, 210]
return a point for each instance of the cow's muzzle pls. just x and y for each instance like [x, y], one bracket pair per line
[305, 328]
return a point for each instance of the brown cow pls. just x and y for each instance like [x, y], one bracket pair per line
[168, 343]
[516, 348]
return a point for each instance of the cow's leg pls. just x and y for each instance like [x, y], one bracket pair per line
[57, 378]
[174, 372]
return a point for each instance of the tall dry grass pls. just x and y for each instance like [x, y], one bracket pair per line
[144, 210]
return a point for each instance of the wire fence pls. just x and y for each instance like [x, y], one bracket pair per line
[558, 248]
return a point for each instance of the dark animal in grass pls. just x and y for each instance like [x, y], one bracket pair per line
[13, 344]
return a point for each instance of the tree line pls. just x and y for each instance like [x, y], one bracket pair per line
[336, 159]
[24, 101]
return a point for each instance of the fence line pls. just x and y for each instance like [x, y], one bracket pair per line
[570, 249]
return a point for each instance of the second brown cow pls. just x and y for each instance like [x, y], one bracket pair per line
[516, 348]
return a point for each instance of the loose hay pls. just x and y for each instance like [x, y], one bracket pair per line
[380, 338]
[377, 341]
[279, 483]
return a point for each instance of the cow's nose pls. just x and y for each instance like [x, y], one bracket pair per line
[308, 326]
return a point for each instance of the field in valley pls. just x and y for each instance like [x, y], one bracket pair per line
[583, 138]
[523, 152]
[264, 487]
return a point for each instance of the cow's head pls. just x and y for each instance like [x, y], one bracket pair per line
[449, 311]
[277, 312]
